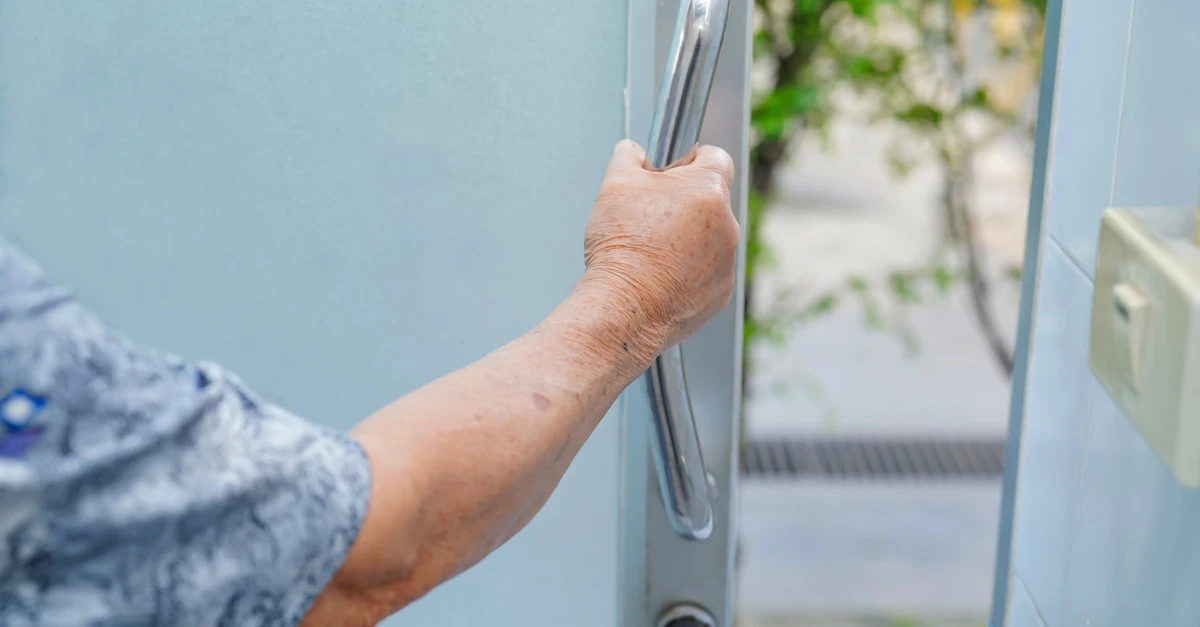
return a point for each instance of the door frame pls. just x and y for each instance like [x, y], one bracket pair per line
[1029, 280]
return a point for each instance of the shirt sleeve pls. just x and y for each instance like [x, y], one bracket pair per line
[140, 489]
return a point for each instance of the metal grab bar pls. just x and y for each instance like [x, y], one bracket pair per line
[678, 115]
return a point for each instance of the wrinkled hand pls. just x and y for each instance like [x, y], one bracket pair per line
[666, 239]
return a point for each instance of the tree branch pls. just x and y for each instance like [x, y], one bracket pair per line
[977, 280]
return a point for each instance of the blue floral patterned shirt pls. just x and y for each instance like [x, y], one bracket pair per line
[136, 489]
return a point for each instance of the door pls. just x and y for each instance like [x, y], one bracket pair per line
[342, 201]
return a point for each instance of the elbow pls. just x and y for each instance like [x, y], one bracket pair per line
[355, 598]
[401, 552]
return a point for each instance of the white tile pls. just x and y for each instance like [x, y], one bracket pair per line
[1119, 483]
[1135, 559]
[1159, 151]
[1053, 432]
[1086, 115]
[1021, 610]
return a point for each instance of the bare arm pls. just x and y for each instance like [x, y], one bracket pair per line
[462, 464]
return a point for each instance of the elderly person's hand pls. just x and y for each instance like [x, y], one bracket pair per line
[667, 238]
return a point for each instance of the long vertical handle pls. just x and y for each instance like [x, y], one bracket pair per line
[682, 98]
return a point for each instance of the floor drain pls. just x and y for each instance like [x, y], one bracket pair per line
[874, 458]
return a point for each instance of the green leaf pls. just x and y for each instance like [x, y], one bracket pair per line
[751, 331]
[770, 124]
[902, 287]
[759, 330]
[864, 8]
[978, 98]
[872, 315]
[819, 307]
[942, 278]
[825, 304]
[763, 42]
[921, 115]
[874, 66]
[900, 163]
[759, 256]
[771, 115]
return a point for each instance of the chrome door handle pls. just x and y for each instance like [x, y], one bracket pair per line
[678, 115]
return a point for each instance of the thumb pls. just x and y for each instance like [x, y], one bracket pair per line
[627, 155]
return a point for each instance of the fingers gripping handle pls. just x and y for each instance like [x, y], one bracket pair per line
[678, 115]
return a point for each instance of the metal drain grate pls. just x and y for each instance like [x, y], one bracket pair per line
[874, 458]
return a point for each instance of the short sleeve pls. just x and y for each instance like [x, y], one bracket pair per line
[140, 489]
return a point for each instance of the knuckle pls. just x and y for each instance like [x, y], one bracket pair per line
[711, 188]
[733, 235]
[724, 162]
[717, 179]
[719, 162]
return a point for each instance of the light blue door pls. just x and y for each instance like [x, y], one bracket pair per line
[338, 200]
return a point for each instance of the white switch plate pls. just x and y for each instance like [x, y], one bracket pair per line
[1145, 335]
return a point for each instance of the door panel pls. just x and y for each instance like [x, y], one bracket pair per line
[340, 201]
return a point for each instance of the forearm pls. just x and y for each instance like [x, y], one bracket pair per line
[463, 463]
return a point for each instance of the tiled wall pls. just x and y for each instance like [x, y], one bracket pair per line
[1103, 536]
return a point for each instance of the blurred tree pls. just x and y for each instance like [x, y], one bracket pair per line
[953, 75]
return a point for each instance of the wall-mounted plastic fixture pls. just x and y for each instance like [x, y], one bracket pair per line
[1145, 335]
